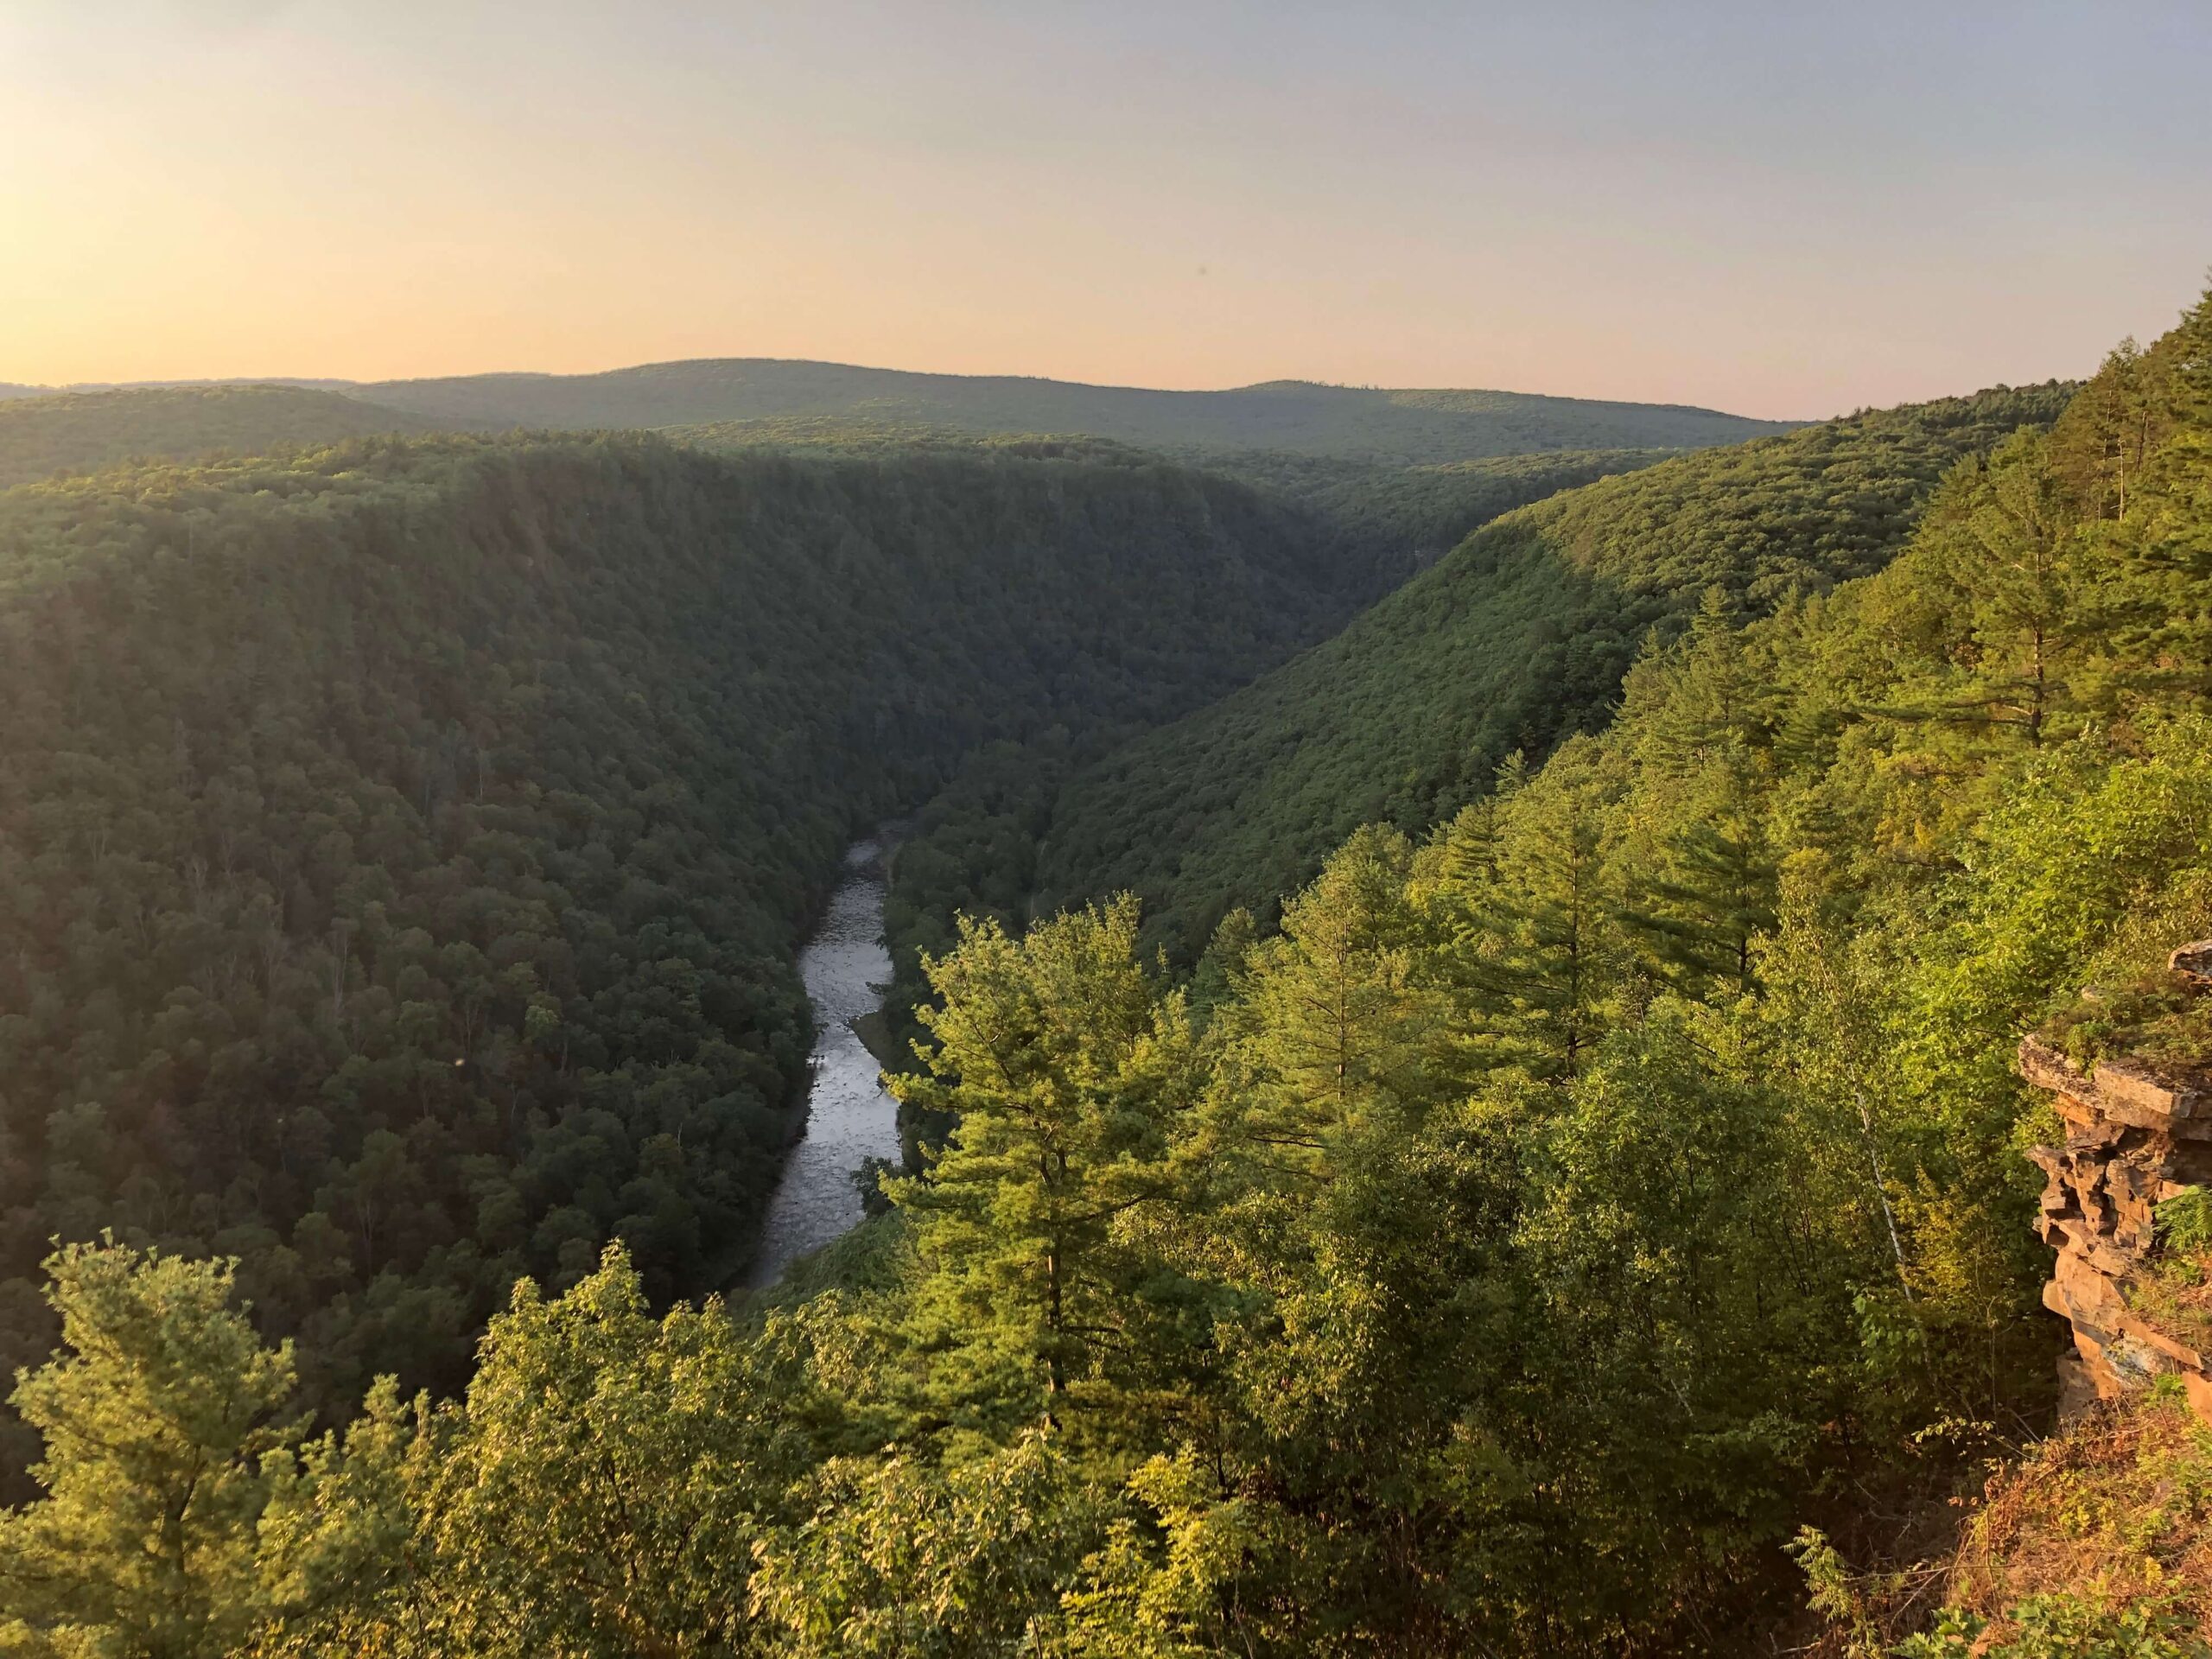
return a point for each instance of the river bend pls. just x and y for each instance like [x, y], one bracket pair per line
[850, 1117]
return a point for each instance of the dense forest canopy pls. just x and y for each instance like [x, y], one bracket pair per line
[1518, 639]
[1511, 1252]
[1392, 519]
[402, 845]
[1409, 427]
[86, 431]
[1597, 1184]
[1427, 510]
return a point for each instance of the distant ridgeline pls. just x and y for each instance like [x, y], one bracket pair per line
[43, 434]
[1408, 427]
[754, 401]
[402, 845]
[1401, 475]
[1406, 472]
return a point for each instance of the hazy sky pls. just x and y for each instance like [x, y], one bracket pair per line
[1783, 208]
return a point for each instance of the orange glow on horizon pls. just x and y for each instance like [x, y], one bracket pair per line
[196, 191]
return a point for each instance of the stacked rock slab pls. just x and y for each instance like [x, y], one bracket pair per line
[2136, 1135]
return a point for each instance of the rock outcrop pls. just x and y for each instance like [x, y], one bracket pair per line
[2137, 1134]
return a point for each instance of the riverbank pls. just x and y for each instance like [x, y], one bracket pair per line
[874, 1031]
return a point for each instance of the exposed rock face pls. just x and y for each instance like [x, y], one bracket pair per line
[2194, 962]
[2136, 1135]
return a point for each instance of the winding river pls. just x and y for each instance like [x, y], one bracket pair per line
[849, 1116]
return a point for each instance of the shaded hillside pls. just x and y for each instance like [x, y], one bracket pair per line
[1519, 637]
[1426, 511]
[402, 845]
[1409, 427]
[42, 436]
[1393, 519]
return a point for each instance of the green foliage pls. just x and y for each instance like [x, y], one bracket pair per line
[1420, 512]
[2184, 1221]
[1833, 1593]
[1518, 639]
[604, 1483]
[965, 1560]
[402, 843]
[88, 431]
[971, 850]
[161, 1422]
[2064, 1625]
[1387, 520]
[1059, 1073]
[1528, 1231]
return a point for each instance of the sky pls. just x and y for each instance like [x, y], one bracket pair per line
[1785, 208]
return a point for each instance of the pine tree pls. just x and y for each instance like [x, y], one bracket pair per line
[1544, 958]
[1061, 1064]
[1705, 692]
[1703, 889]
[2108, 431]
[156, 1417]
[1701, 913]
[1332, 1027]
[2017, 546]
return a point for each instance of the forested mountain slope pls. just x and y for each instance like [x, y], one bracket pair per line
[1517, 638]
[1392, 518]
[1425, 510]
[1410, 427]
[1515, 1253]
[401, 844]
[84, 431]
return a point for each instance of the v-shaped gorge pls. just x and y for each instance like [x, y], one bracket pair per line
[405, 843]
[1608, 1163]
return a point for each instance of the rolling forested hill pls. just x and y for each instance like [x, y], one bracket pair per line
[1392, 517]
[1517, 638]
[1409, 427]
[1577, 1229]
[401, 844]
[42, 436]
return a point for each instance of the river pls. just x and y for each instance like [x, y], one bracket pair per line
[849, 1116]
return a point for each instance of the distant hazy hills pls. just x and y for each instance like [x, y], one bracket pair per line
[1300, 417]
[1408, 426]
[86, 431]
[1393, 463]
[18, 388]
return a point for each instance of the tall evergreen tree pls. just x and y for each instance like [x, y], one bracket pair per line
[1551, 957]
[157, 1416]
[1059, 1063]
[1333, 1026]
[1702, 912]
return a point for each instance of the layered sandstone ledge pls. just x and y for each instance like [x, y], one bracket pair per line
[2137, 1134]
